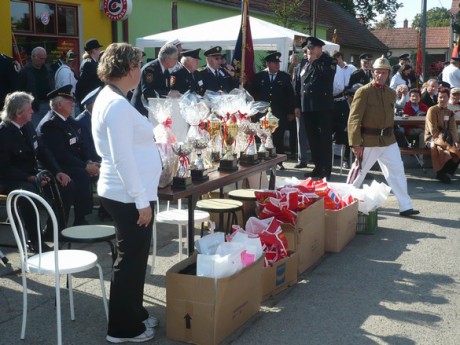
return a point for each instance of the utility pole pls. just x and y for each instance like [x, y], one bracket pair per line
[423, 33]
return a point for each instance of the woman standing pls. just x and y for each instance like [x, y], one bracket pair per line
[442, 137]
[128, 183]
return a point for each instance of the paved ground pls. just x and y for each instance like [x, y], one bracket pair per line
[399, 286]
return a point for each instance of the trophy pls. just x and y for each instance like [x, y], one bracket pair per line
[249, 154]
[229, 133]
[263, 135]
[182, 179]
[270, 122]
[214, 124]
[198, 171]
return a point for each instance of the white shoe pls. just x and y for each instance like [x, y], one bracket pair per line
[146, 336]
[151, 322]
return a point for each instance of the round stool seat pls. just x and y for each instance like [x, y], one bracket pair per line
[243, 194]
[180, 217]
[219, 205]
[89, 233]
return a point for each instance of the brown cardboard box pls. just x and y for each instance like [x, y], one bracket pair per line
[307, 236]
[340, 227]
[203, 310]
[280, 276]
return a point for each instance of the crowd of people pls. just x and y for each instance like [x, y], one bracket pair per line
[94, 127]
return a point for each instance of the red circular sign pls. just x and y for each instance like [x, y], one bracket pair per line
[117, 9]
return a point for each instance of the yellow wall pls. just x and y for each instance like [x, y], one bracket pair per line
[94, 23]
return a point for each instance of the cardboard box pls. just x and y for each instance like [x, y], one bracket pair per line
[306, 238]
[340, 227]
[280, 276]
[205, 311]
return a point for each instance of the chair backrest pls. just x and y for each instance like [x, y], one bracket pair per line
[51, 192]
[14, 216]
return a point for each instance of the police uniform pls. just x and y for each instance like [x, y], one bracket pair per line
[277, 90]
[84, 121]
[218, 80]
[8, 77]
[361, 76]
[63, 138]
[317, 104]
[88, 80]
[154, 83]
[370, 125]
[183, 80]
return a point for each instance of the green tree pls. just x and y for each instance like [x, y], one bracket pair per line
[385, 23]
[435, 17]
[285, 11]
[370, 9]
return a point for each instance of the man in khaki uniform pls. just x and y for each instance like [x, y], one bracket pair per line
[371, 136]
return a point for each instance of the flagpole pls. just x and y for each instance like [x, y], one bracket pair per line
[243, 45]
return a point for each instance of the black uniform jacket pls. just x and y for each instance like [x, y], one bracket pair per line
[183, 80]
[359, 76]
[88, 80]
[279, 92]
[207, 80]
[153, 83]
[316, 84]
[63, 139]
[19, 153]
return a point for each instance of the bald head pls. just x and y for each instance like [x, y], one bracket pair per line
[38, 57]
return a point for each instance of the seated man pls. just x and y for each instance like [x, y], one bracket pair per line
[441, 137]
[19, 150]
[62, 135]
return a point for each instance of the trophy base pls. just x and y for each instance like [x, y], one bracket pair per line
[215, 156]
[181, 182]
[228, 165]
[249, 159]
[199, 175]
[272, 152]
[264, 155]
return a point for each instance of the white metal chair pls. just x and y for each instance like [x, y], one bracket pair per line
[66, 261]
[177, 217]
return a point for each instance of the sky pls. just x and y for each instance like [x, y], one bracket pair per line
[412, 7]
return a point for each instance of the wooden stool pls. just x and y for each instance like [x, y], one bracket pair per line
[248, 197]
[90, 234]
[222, 206]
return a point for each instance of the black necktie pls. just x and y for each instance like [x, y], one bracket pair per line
[216, 73]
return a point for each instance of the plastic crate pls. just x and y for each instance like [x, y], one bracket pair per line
[367, 223]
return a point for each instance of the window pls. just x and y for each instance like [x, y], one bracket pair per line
[20, 16]
[45, 18]
[67, 20]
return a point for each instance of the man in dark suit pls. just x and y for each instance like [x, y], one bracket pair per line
[62, 135]
[274, 86]
[213, 76]
[185, 78]
[155, 78]
[364, 74]
[315, 102]
[429, 97]
[8, 77]
[20, 150]
[88, 80]
[84, 121]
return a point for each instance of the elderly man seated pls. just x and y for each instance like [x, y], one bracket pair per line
[62, 134]
[441, 137]
[19, 150]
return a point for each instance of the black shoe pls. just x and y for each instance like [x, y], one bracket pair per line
[442, 176]
[300, 165]
[33, 247]
[314, 173]
[409, 213]
[346, 165]
[281, 166]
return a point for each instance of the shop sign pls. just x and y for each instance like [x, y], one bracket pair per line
[118, 9]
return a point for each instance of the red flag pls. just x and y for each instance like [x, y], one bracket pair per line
[243, 56]
[455, 52]
[419, 60]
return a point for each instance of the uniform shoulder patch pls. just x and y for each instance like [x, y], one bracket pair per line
[149, 77]
[356, 72]
[172, 80]
[201, 69]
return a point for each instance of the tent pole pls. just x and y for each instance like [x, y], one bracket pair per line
[243, 45]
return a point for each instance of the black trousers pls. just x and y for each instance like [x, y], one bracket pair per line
[339, 125]
[82, 197]
[318, 125]
[126, 312]
[278, 136]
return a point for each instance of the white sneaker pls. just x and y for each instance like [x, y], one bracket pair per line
[151, 322]
[146, 336]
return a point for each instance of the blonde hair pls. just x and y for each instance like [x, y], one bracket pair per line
[117, 60]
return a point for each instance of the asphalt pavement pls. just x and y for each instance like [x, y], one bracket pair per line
[399, 286]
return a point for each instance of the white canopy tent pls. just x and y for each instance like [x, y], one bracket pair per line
[224, 32]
